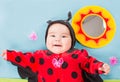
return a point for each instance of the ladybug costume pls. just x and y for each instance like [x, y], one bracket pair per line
[45, 66]
[41, 66]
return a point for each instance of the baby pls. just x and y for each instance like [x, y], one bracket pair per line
[60, 62]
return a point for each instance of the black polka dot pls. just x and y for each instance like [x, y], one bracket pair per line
[58, 80]
[95, 61]
[74, 75]
[87, 65]
[64, 65]
[75, 56]
[43, 79]
[50, 71]
[18, 59]
[41, 61]
[32, 59]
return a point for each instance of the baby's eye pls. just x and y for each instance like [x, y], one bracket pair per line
[64, 36]
[52, 35]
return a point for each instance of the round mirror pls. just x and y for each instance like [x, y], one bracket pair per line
[93, 26]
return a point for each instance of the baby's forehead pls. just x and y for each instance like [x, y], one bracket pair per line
[58, 26]
[59, 29]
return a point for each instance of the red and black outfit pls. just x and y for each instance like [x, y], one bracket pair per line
[39, 64]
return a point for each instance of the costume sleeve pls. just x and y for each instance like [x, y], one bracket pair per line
[89, 63]
[25, 60]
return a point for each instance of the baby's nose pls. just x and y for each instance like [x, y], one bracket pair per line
[57, 39]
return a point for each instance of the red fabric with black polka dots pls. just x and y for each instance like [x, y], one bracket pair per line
[41, 62]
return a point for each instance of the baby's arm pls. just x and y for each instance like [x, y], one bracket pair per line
[24, 60]
[92, 65]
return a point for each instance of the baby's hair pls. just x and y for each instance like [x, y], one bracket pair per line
[49, 21]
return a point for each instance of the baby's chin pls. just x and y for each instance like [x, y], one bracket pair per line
[57, 52]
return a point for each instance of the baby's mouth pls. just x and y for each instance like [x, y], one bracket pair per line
[57, 45]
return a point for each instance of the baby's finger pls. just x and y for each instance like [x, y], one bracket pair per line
[2, 54]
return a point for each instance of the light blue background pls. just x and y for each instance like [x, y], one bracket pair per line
[18, 18]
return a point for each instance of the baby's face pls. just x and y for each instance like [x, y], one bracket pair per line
[58, 38]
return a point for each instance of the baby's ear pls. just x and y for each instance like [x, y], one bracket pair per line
[49, 21]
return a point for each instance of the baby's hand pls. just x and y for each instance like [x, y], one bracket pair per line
[105, 68]
[4, 54]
